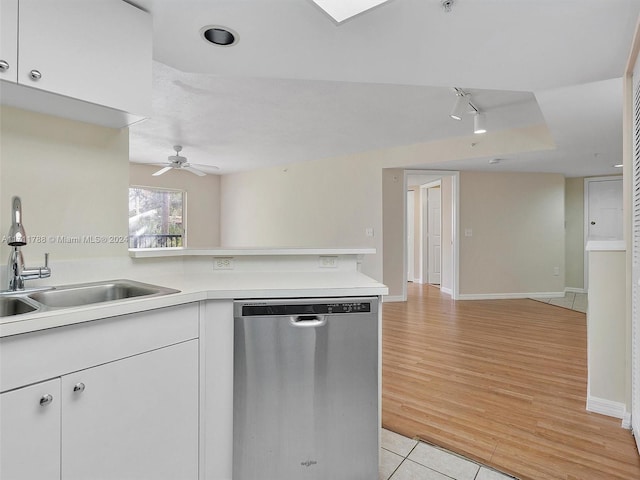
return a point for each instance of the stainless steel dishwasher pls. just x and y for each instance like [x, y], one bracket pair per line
[306, 389]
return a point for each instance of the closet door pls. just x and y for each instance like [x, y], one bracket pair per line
[635, 232]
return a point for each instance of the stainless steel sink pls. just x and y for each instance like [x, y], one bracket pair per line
[14, 306]
[99, 292]
[53, 298]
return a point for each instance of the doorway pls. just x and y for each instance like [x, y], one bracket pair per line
[603, 218]
[431, 226]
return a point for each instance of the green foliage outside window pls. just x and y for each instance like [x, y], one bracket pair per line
[156, 218]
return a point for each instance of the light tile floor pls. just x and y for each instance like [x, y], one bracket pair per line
[402, 458]
[573, 301]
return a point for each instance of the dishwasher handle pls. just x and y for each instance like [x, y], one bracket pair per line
[308, 321]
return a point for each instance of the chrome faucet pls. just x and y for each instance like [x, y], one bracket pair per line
[17, 273]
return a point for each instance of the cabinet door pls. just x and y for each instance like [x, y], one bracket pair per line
[30, 432]
[99, 51]
[9, 39]
[135, 418]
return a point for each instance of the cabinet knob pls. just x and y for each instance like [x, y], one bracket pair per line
[4, 66]
[79, 387]
[46, 400]
[35, 75]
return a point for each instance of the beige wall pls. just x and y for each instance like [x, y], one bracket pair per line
[608, 377]
[393, 221]
[328, 203]
[517, 226]
[203, 200]
[72, 178]
[446, 279]
[574, 233]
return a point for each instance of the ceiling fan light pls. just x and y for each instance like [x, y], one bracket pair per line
[479, 124]
[460, 107]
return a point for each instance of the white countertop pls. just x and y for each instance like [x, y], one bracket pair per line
[221, 285]
[247, 251]
[600, 245]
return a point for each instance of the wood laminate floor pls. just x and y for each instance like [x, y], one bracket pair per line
[499, 381]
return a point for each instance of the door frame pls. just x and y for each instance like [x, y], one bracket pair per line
[585, 235]
[455, 226]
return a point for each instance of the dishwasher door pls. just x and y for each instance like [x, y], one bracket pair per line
[306, 389]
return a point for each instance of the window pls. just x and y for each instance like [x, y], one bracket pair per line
[156, 218]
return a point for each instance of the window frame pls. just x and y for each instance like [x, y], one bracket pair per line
[184, 214]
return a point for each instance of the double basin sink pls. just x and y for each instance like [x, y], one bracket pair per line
[54, 298]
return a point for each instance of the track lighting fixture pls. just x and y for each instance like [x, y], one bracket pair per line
[479, 123]
[461, 105]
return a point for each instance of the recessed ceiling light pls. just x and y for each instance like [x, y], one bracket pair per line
[221, 36]
[340, 10]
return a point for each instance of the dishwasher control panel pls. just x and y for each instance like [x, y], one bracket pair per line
[253, 310]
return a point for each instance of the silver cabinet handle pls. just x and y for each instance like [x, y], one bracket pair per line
[35, 75]
[4, 66]
[46, 400]
[79, 387]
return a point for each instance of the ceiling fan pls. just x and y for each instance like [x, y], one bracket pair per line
[179, 162]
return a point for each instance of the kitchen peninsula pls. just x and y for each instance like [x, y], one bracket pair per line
[100, 369]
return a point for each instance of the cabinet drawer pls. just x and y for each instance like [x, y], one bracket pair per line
[32, 357]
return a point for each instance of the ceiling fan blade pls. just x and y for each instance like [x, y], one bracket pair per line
[195, 171]
[161, 171]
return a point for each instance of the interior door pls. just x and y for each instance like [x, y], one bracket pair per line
[434, 238]
[605, 209]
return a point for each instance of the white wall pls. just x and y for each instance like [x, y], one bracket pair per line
[73, 180]
[203, 200]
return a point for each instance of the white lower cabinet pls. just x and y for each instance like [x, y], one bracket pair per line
[30, 432]
[121, 399]
[133, 419]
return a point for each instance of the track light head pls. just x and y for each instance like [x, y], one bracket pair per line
[460, 107]
[479, 123]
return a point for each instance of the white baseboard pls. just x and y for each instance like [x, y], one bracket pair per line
[575, 290]
[393, 298]
[626, 421]
[508, 296]
[608, 408]
[446, 290]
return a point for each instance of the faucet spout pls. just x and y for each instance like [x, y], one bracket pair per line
[17, 237]
[17, 273]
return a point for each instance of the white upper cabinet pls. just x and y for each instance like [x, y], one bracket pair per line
[9, 40]
[86, 60]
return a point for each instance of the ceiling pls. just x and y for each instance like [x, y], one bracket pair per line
[298, 87]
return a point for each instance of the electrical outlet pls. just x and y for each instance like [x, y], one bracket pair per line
[223, 263]
[328, 262]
